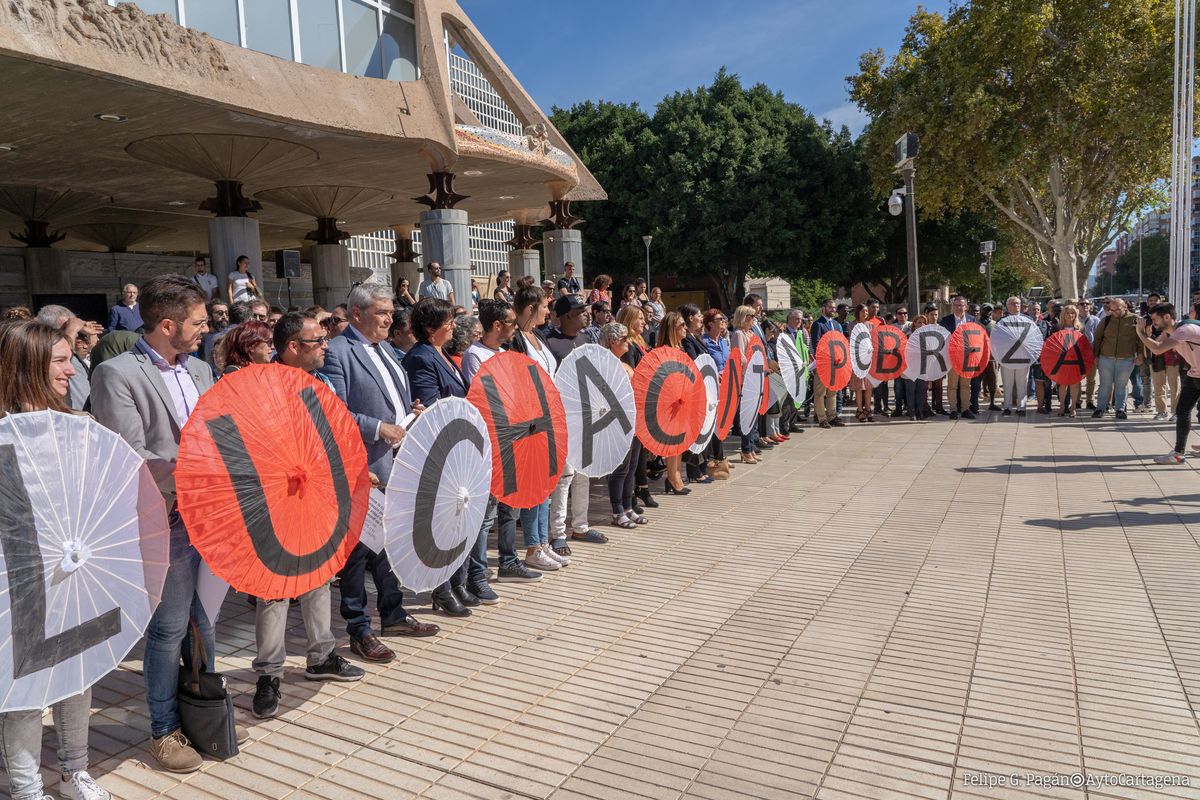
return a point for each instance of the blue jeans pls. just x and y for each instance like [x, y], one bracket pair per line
[1114, 377]
[506, 536]
[914, 397]
[535, 524]
[474, 570]
[1135, 376]
[169, 628]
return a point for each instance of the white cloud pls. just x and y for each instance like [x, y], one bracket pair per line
[847, 114]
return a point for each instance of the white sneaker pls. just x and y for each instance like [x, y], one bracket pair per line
[1170, 458]
[81, 786]
[542, 562]
[1161, 415]
[562, 561]
[1171, 418]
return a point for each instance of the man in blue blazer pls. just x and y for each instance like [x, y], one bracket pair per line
[963, 393]
[824, 398]
[364, 372]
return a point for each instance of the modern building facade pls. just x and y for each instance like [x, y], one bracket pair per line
[248, 126]
[488, 241]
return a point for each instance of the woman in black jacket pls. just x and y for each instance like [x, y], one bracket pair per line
[632, 318]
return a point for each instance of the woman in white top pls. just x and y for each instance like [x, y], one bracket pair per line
[531, 305]
[240, 285]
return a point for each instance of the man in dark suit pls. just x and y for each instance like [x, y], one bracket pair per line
[365, 373]
[824, 398]
[964, 393]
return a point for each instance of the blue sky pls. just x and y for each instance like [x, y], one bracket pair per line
[621, 50]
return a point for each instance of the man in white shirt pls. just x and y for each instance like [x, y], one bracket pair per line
[205, 279]
[435, 285]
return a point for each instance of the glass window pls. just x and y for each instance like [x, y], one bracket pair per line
[400, 7]
[319, 39]
[362, 39]
[269, 27]
[217, 18]
[158, 7]
[399, 47]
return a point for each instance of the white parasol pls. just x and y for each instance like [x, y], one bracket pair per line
[927, 356]
[597, 395]
[792, 368]
[1016, 341]
[437, 493]
[712, 384]
[84, 550]
[752, 389]
[862, 349]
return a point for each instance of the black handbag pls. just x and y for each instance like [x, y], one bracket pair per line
[205, 707]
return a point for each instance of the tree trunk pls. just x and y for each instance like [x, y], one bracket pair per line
[1065, 261]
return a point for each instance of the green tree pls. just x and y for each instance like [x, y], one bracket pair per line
[1155, 255]
[726, 179]
[1052, 112]
[613, 140]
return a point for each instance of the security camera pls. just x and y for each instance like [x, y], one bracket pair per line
[896, 203]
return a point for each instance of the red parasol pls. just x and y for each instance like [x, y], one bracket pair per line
[272, 481]
[970, 350]
[875, 321]
[833, 361]
[671, 401]
[888, 362]
[730, 391]
[757, 343]
[1067, 357]
[527, 425]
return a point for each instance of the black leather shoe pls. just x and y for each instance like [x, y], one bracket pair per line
[447, 602]
[466, 596]
[643, 494]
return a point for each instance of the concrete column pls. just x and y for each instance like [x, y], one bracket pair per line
[46, 271]
[525, 263]
[567, 245]
[444, 239]
[407, 269]
[330, 274]
[228, 238]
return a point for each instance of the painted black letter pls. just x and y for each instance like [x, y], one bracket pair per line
[509, 433]
[424, 543]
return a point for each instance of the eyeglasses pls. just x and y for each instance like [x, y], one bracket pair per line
[259, 317]
[340, 320]
[320, 341]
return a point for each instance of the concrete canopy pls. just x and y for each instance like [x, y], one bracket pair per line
[65, 64]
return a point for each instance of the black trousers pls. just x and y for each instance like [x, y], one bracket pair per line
[1189, 393]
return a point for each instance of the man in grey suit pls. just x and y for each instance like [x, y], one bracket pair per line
[363, 369]
[146, 395]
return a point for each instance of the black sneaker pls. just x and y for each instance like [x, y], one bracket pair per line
[517, 573]
[1007, 412]
[953, 415]
[968, 415]
[821, 424]
[1097, 414]
[266, 697]
[334, 668]
[1122, 415]
[485, 593]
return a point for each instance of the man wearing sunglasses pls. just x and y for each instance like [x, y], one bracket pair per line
[300, 342]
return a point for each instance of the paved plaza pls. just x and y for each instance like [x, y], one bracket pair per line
[882, 611]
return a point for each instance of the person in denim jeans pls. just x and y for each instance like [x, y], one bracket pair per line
[146, 396]
[1116, 345]
[36, 360]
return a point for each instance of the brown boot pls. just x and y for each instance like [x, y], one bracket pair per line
[175, 753]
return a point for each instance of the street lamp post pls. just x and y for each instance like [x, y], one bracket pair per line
[906, 154]
[646, 241]
[987, 248]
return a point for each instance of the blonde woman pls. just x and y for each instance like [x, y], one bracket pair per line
[1068, 319]
[671, 334]
[635, 324]
[740, 336]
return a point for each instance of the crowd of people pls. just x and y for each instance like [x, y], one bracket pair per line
[388, 354]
